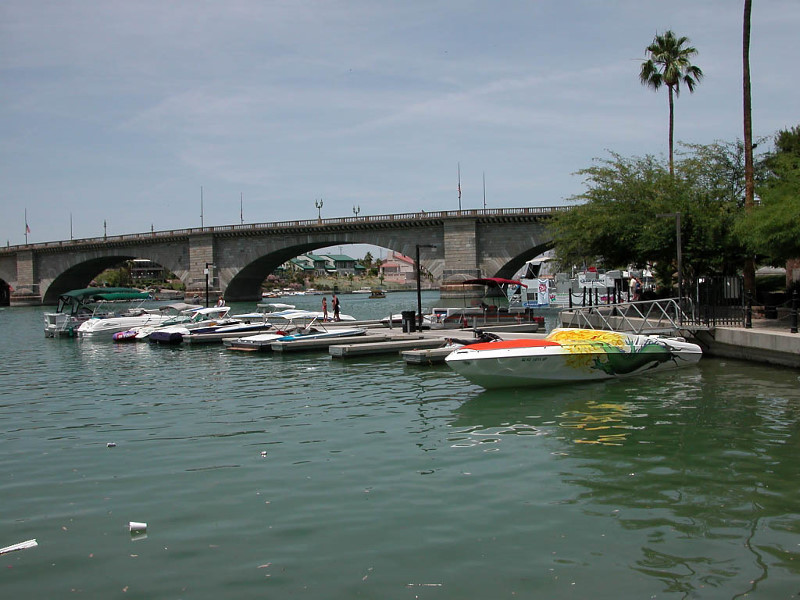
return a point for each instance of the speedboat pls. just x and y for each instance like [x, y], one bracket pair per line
[253, 343]
[317, 331]
[241, 324]
[306, 316]
[202, 319]
[106, 327]
[218, 333]
[77, 306]
[171, 314]
[109, 327]
[570, 355]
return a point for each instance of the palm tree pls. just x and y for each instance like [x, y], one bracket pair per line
[749, 178]
[669, 64]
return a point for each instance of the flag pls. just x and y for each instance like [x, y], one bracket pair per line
[27, 229]
[459, 190]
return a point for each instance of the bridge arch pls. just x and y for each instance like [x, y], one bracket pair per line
[260, 257]
[511, 267]
[78, 270]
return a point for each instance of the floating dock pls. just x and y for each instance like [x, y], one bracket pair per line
[386, 347]
[430, 356]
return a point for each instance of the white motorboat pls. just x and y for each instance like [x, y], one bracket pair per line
[77, 306]
[217, 333]
[175, 313]
[202, 319]
[568, 356]
[312, 331]
[240, 325]
[107, 327]
[253, 343]
[306, 316]
[318, 331]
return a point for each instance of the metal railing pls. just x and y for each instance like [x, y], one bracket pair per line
[642, 317]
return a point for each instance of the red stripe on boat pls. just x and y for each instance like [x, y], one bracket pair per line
[523, 343]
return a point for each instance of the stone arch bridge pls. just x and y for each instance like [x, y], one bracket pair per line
[467, 243]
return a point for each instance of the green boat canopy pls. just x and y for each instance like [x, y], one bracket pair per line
[106, 293]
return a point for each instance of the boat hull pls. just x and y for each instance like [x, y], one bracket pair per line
[166, 337]
[593, 357]
[254, 343]
[219, 334]
[106, 328]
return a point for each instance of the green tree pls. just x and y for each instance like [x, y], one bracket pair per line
[616, 223]
[772, 229]
[669, 63]
[367, 260]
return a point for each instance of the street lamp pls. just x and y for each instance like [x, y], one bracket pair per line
[356, 210]
[419, 288]
[318, 204]
[206, 272]
[677, 217]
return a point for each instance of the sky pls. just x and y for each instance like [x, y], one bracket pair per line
[124, 115]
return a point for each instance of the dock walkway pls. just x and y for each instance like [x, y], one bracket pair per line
[768, 341]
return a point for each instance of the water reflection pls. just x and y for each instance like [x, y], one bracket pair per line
[698, 467]
[585, 414]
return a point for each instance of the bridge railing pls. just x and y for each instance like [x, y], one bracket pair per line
[169, 233]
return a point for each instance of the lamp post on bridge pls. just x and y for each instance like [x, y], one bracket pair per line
[419, 286]
[356, 210]
[318, 204]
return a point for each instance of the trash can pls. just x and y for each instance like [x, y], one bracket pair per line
[409, 318]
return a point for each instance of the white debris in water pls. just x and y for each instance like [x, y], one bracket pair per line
[20, 546]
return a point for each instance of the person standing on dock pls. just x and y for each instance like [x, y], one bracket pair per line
[335, 303]
[324, 308]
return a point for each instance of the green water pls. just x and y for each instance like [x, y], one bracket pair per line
[382, 480]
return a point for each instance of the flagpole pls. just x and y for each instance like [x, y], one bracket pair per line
[459, 187]
[484, 190]
[241, 208]
[201, 207]
[27, 229]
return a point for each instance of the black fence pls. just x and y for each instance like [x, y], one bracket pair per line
[720, 301]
